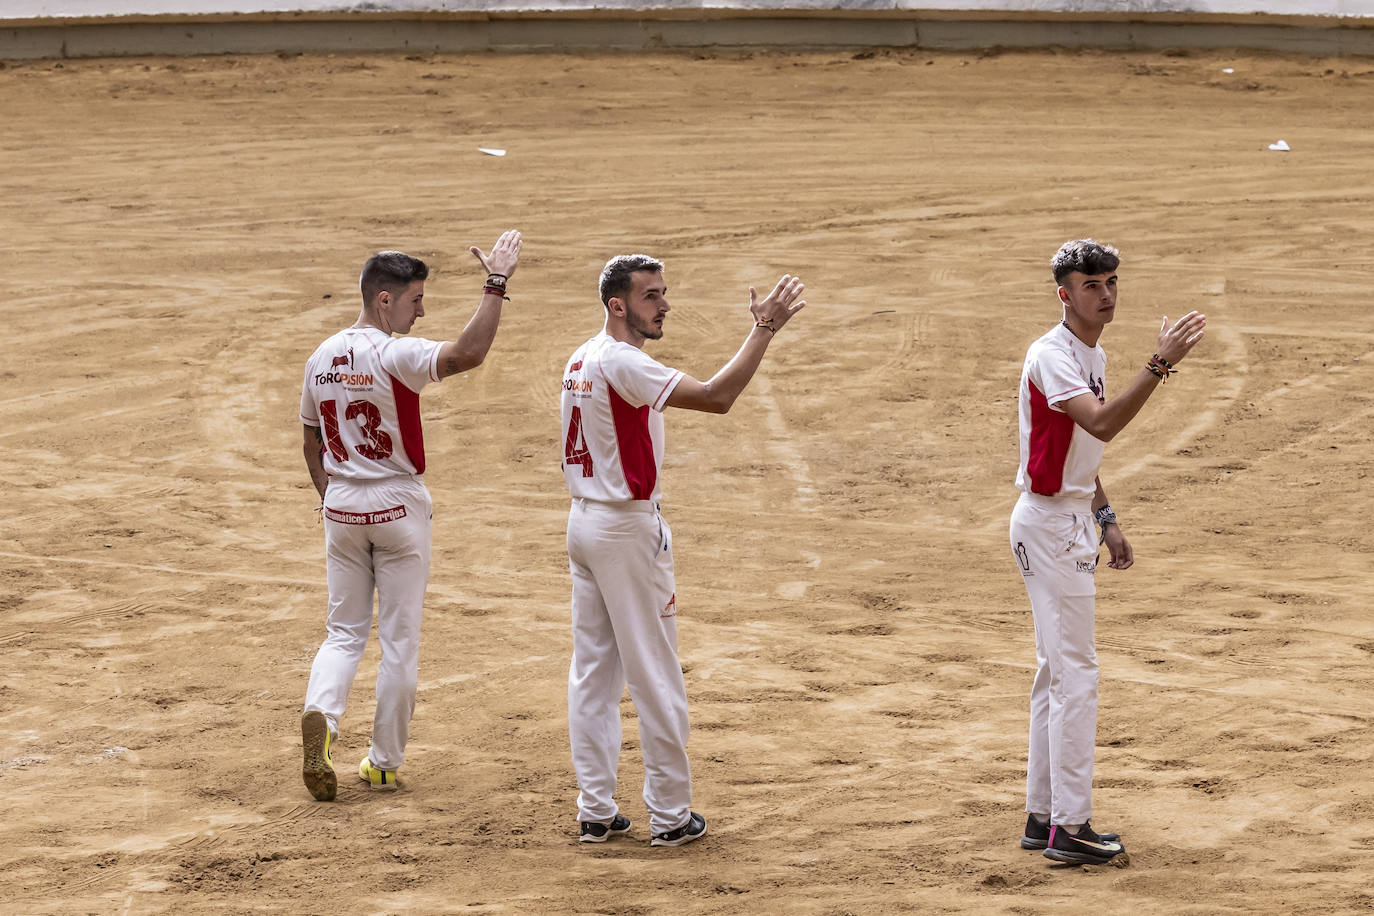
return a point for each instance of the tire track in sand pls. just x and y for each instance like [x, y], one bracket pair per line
[171, 849]
[782, 443]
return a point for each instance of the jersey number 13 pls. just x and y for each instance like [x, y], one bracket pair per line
[378, 444]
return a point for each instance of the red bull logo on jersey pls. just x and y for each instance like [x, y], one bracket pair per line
[348, 379]
[577, 385]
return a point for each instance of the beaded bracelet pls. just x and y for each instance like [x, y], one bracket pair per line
[1162, 369]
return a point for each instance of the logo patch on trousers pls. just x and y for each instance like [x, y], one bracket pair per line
[365, 518]
[1023, 558]
[670, 609]
[1085, 567]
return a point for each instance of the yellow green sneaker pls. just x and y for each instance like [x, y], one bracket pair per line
[318, 770]
[375, 776]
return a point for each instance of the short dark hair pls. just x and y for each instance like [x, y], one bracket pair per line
[392, 271]
[615, 276]
[1084, 256]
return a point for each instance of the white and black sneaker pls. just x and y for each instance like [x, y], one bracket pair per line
[1037, 834]
[593, 832]
[694, 829]
[1082, 848]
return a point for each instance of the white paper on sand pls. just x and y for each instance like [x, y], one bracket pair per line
[1281, 146]
[491, 152]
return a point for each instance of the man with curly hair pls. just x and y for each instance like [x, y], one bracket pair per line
[1066, 420]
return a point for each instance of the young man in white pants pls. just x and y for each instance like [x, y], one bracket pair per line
[620, 550]
[1065, 422]
[366, 455]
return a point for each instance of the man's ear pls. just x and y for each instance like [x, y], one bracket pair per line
[616, 306]
[384, 299]
[1063, 295]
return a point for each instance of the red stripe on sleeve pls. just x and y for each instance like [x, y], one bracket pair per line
[667, 385]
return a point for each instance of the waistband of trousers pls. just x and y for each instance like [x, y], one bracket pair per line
[376, 481]
[623, 505]
[1079, 505]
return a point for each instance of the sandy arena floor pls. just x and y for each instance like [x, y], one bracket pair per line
[181, 234]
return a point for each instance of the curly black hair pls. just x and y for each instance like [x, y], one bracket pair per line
[1084, 256]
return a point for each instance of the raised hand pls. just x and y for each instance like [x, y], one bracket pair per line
[777, 308]
[504, 254]
[1176, 341]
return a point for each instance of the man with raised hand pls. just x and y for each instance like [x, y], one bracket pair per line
[364, 448]
[1066, 421]
[620, 550]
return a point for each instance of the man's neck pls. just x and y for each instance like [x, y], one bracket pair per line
[621, 332]
[1089, 336]
[369, 321]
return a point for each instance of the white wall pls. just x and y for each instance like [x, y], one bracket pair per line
[57, 9]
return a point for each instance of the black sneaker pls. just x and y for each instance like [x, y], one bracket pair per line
[592, 832]
[1083, 848]
[694, 829]
[1037, 835]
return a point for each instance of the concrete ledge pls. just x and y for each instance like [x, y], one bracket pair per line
[1313, 14]
[107, 9]
[673, 27]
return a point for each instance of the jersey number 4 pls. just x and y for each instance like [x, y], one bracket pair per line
[378, 444]
[575, 449]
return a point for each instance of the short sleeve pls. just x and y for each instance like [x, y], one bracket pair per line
[637, 377]
[1055, 373]
[310, 413]
[412, 360]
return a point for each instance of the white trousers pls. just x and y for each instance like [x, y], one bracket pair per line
[377, 538]
[1056, 553]
[624, 622]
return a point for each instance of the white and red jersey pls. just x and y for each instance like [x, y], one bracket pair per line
[362, 389]
[1059, 457]
[612, 406]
